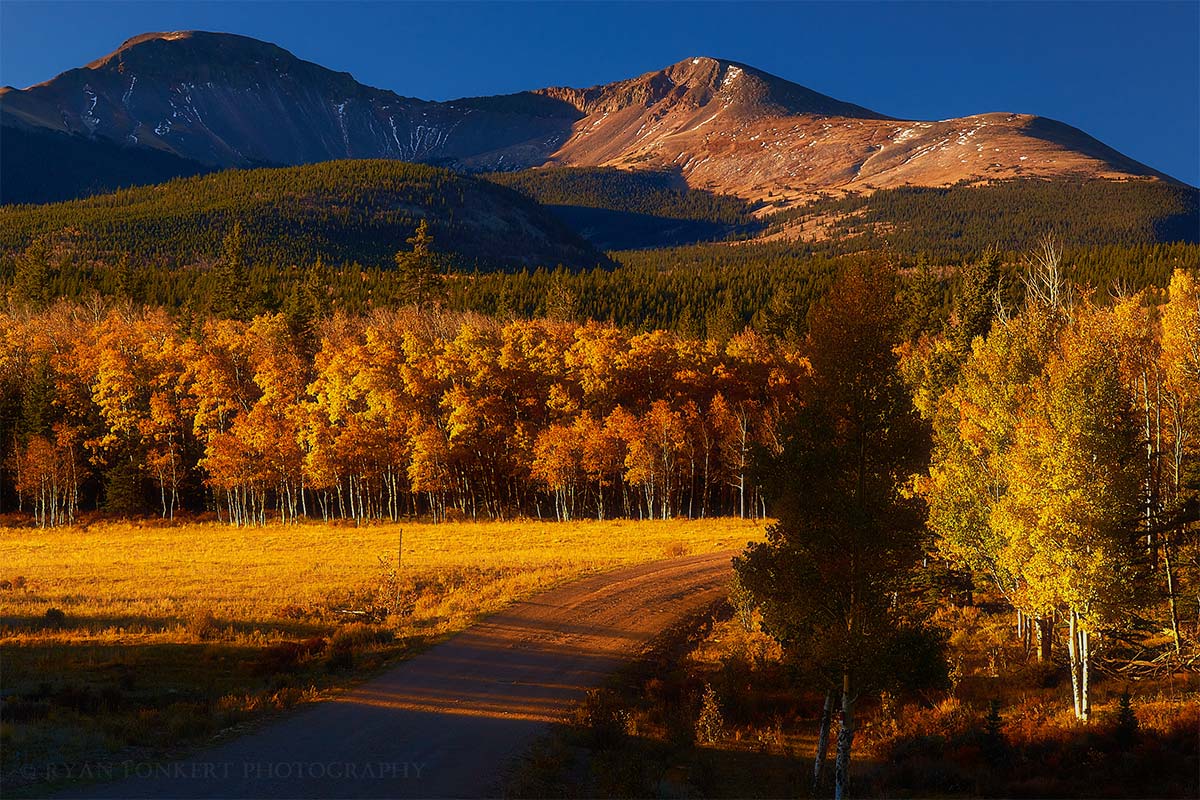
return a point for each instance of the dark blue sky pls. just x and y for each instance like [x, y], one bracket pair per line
[1127, 73]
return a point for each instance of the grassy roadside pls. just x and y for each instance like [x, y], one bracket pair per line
[714, 711]
[652, 731]
[120, 641]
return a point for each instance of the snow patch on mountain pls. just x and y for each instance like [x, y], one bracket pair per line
[89, 109]
[129, 92]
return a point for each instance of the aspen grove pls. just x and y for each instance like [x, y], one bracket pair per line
[365, 418]
[1064, 468]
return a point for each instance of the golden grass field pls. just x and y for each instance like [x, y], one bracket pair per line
[170, 635]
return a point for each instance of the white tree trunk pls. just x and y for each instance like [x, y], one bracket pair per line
[1079, 647]
[1073, 657]
[1085, 658]
[841, 768]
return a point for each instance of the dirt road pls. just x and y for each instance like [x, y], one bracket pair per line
[445, 723]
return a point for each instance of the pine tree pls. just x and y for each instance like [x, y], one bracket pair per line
[125, 280]
[37, 400]
[31, 278]
[562, 304]
[1125, 731]
[975, 301]
[993, 741]
[306, 303]
[848, 532]
[420, 280]
[921, 301]
[231, 290]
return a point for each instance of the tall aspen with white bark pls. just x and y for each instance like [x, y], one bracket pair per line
[1073, 502]
[975, 425]
[1179, 362]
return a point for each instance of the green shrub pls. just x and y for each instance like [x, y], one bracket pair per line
[742, 601]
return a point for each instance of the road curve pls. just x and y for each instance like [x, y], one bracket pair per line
[445, 723]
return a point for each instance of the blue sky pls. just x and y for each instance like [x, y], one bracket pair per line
[1127, 73]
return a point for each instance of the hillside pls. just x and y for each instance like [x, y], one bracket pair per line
[962, 220]
[341, 211]
[722, 126]
[621, 209]
[657, 193]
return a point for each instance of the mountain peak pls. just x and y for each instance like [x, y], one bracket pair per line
[698, 61]
[191, 47]
[700, 81]
[203, 37]
[223, 99]
[166, 36]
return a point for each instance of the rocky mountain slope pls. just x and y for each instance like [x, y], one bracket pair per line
[228, 100]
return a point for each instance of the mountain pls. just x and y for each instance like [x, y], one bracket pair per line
[39, 165]
[226, 100]
[341, 211]
[230, 100]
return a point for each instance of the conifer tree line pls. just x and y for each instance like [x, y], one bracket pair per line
[397, 413]
[657, 193]
[346, 212]
[699, 291]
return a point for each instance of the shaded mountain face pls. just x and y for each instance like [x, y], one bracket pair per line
[227, 100]
[39, 165]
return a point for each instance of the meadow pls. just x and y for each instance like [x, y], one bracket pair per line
[132, 641]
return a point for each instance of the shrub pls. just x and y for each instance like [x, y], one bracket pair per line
[916, 660]
[676, 549]
[284, 657]
[289, 611]
[54, 618]
[1039, 675]
[81, 699]
[710, 724]
[314, 645]
[742, 601]
[278, 658]
[352, 638]
[340, 658]
[188, 721]
[19, 708]
[359, 636]
[203, 625]
[603, 718]
[1125, 731]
